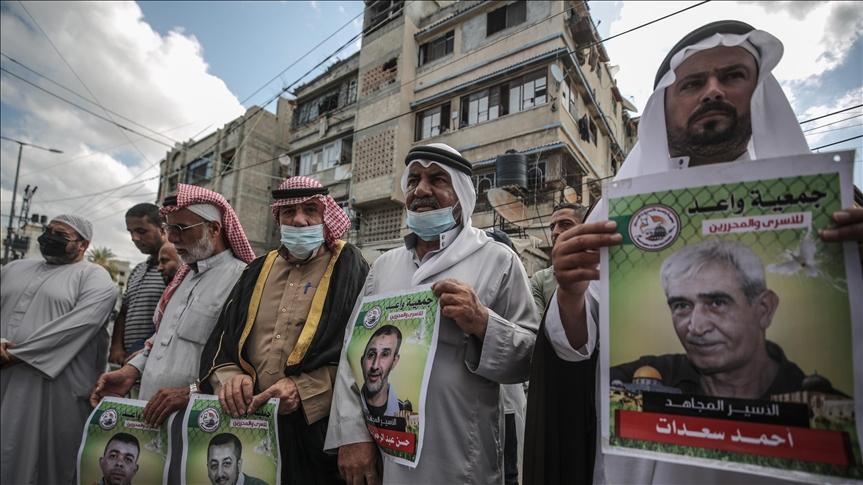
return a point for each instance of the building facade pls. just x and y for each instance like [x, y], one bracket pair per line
[242, 161]
[486, 78]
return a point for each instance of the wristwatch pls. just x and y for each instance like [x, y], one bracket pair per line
[193, 388]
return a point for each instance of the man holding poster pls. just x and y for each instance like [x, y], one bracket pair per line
[484, 337]
[715, 100]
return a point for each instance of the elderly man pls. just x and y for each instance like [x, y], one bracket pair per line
[721, 308]
[205, 231]
[134, 324]
[119, 461]
[281, 332]
[54, 344]
[169, 262]
[565, 216]
[485, 338]
[715, 101]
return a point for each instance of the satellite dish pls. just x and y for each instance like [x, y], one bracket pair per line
[570, 195]
[511, 208]
[556, 73]
[285, 160]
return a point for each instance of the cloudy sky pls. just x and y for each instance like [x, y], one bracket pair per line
[175, 70]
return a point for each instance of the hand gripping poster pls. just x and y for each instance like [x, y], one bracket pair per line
[119, 449]
[220, 449]
[391, 350]
[733, 332]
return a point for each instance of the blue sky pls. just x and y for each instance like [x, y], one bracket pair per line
[184, 68]
[247, 44]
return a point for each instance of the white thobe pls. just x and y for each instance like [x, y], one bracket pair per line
[463, 440]
[56, 317]
[189, 318]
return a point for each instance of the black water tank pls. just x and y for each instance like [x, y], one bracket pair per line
[511, 170]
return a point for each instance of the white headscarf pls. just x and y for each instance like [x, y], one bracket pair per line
[470, 239]
[775, 130]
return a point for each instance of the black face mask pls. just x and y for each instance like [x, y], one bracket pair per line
[52, 245]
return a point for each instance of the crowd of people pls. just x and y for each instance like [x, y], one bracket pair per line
[204, 314]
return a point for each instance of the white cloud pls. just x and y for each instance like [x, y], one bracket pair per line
[833, 133]
[341, 9]
[314, 5]
[161, 82]
[817, 36]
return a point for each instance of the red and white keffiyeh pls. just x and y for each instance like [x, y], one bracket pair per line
[231, 229]
[336, 222]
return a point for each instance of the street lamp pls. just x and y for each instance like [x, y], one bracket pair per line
[21, 146]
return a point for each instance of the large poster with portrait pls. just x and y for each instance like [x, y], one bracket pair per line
[220, 449]
[117, 448]
[391, 350]
[733, 333]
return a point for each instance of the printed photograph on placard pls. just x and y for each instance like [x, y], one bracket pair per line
[731, 326]
[220, 449]
[390, 351]
[119, 449]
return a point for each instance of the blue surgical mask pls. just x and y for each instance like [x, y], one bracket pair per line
[302, 241]
[429, 225]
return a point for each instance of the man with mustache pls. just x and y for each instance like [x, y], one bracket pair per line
[486, 332]
[225, 462]
[169, 262]
[119, 461]
[721, 308]
[714, 101]
[134, 323]
[378, 359]
[53, 345]
[209, 239]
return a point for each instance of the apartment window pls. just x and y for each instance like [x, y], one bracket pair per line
[573, 104]
[307, 163]
[482, 183]
[527, 92]
[228, 160]
[200, 170]
[536, 176]
[432, 122]
[482, 106]
[381, 12]
[332, 153]
[350, 92]
[506, 17]
[332, 100]
[593, 132]
[436, 49]
[172, 183]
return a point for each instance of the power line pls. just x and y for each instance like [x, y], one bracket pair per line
[835, 129]
[60, 85]
[833, 123]
[830, 114]
[837, 142]
[97, 115]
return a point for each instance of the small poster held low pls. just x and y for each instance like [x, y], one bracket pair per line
[118, 448]
[391, 349]
[221, 449]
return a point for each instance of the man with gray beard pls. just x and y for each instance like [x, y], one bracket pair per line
[210, 241]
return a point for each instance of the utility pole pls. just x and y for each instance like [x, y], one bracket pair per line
[9, 228]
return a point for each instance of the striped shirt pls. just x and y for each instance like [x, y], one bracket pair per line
[140, 300]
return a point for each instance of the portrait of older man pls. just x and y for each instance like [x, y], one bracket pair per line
[379, 358]
[225, 462]
[119, 461]
[721, 308]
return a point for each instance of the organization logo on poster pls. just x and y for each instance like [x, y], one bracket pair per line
[372, 317]
[108, 419]
[654, 227]
[208, 420]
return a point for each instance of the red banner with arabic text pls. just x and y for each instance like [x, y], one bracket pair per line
[735, 436]
[393, 440]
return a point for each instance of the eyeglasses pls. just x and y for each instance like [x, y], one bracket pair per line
[177, 229]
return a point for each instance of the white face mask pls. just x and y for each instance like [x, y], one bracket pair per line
[301, 242]
[429, 225]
